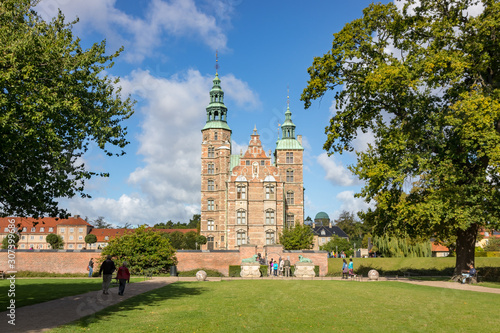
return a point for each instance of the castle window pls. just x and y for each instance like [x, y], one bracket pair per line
[262, 162]
[241, 192]
[290, 220]
[210, 185]
[210, 168]
[270, 237]
[211, 152]
[210, 238]
[289, 157]
[247, 162]
[290, 198]
[289, 175]
[270, 216]
[210, 204]
[241, 217]
[215, 136]
[210, 225]
[270, 192]
[241, 237]
[42, 229]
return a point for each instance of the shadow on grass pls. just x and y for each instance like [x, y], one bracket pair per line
[141, 302]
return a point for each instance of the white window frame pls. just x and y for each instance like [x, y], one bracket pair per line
[270, 217]
[241, 217]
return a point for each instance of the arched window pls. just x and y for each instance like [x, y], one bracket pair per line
[211, 152]
[210, 185]
[269, 216]
[241, 217]
[270, 239]
[290, 200]
[241, 237]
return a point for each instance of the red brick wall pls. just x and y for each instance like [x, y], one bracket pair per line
[52, 262]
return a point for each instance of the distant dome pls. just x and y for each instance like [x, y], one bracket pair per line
[322, 216]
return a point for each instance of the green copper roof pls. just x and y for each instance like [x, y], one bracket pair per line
[289, 144]
[322, 215]
[234, 161]
[216, 124]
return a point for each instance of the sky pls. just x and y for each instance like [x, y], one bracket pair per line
[168, 64]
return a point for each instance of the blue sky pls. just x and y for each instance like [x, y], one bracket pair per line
[168, 67]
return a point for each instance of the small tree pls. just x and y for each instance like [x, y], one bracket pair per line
[56, 242]
[299, 237]
[90, 239]
[99, 223]
[143, 249]
[493, 244]
[5, 242]
[337, 244]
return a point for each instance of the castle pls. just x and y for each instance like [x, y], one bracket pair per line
[248, 198]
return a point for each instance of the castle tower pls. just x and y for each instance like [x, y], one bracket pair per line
[215, 159]
[289, 160]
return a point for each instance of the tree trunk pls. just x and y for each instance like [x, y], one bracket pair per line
[466, 243]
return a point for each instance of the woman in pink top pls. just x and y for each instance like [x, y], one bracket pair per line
[124, 276]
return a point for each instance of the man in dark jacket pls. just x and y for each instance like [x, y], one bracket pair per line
[107, 269]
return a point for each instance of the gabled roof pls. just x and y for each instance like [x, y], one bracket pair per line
[101, 234]
[436, 247]
[329, 231]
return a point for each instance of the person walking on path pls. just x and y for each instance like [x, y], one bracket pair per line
[107, 269]
[124, 276]
[90, 268]
[282, 262]
[275, 267]
[345, 269]
[351, 268]
[271, 267]
[287, 267]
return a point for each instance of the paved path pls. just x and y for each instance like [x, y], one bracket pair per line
[45, 316]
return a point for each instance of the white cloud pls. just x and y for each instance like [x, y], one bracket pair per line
[350, 204]
[336, 173]
[140, 35]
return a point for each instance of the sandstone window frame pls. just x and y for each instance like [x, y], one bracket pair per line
[270, 237]
[270, 192]
[241, 237]
[270, 217]
[241, 216]
[211, 152]
[211, 168]
[211, 204]
[290, 220]
[289, 157]
[210, 185]
[210, 225]
[241, 192]
[290, 198]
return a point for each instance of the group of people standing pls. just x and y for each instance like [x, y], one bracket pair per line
[107, 269]
[279, 267]
[347, 269]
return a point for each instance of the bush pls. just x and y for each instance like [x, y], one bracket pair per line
[492, 254]
[192, 273]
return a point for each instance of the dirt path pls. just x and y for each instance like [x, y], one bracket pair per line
[45, 316]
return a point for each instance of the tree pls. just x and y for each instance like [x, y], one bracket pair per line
[308, 220]
[424, 80]
[175, 238]
[55, 101]
[6, 242]
[99, 223]
[299, 237]
[90, 239]
[338, 244]
[56, 242]
[402, 247]
[493, 244]
[351, 226]
[194, 222]
[143, 249]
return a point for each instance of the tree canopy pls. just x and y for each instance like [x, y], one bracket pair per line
[424, 80]
[55, 103]
[56, 242]
[299, 237]
[143, 249]
[338, 244]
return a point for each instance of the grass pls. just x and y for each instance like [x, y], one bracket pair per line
[32, 291]
[418, 266]
[297, 306]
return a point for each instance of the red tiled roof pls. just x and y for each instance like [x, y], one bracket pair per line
[439, 248]
[111, 233]
[46, 222]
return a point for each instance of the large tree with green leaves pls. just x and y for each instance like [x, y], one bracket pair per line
[56, 242]
[299, 237]
[55, 101]
[425, 81]
[144, 250]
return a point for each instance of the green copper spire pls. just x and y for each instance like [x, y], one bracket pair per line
[288, 140]
[216, 110]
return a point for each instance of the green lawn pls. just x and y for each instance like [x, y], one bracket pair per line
[297, 306]
[33, 291]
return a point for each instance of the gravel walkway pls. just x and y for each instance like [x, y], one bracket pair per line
[45, 316]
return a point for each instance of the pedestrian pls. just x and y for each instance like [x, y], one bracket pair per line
[287, 267]
[351, 268]
[90, 267]
[275, 267]
[107, 269]
[123, 276]
[345, 269]
[271, 267]
[282, 262]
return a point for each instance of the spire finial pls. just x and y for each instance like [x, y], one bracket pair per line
[287, 96]
[255, 129]
[216, 61]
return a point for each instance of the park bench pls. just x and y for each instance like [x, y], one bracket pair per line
[474, 279]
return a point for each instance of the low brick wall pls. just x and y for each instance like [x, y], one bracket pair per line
[49, 261]
[76, 262]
